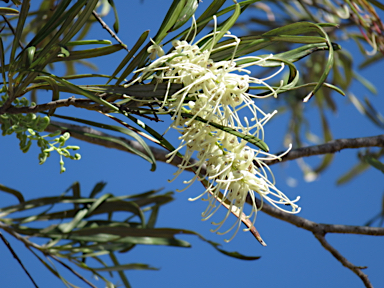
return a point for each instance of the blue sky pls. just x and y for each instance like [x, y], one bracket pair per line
[293, 257]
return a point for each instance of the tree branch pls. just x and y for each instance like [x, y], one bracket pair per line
[319, 231]
[160, 154]
[109, 30]
[84, 133]
[344, 261]
[330, 147]
[137, 95]
[71, 101]
[31, 245]
[18, 259]
[317, 228]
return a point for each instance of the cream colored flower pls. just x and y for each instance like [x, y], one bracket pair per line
[216, 92]
[155, 50]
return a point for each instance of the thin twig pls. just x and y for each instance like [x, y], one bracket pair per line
[160, 154]
[31, 245]
[18, 259]
[73, 271]
[71, 101]
[106, 27]
[330, 148]
[84, 133]
[12, 30]
[138, 96]
[319, 230]
[344, 261]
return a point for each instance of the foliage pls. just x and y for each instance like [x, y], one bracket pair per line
[79, 228]
[53, 34]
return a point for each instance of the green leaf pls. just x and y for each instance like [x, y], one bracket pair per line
[78, 90]
[222, 29]
[8, 11]
[374, 162]
[68, 227]
[159, 139]
[19, 29]
[327, 136]
[207, 16]
[233, 254]
[116, 25]
[367, 84]
[97, 203]
[149, 157]
[288, 33]
[187, 12]
[81, 19]
[377, 4]
[89, 53]
[76, 192]
[153, 217]
[2, 61]
[204, 19]
[367, 110]
[52, 23]
[89, 42]
[251, 139]
[127, 58]
[97, 189]
[170, 19]
[13, 192]
[54, 88]
[371, 60]
[134, 266]
[352, 173]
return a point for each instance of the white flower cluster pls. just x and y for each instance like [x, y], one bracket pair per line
[214, 93]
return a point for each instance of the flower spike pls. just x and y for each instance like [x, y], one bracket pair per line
[217, 93]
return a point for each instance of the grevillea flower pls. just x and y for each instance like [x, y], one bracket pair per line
[214, 93]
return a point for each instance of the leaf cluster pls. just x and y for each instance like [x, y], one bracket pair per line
[345, 16]
[35, 42]
[80, 228]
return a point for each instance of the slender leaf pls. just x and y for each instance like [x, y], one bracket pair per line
[97, 189]
[251, 139]
[135, 266]
[150, 157]
[127, 58]
[90, 53]
[13, 192]
[8, 11]
[187, 12]
[374, 162]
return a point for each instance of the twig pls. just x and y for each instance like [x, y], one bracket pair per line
[12, 30]
[84, 133]
[18, 259]
[319, 230]
[138, 94]
[160, 154]
[106, 27]
[330, 147]
[71, 101]
[344, 261]
[31, 245]
[73, 271]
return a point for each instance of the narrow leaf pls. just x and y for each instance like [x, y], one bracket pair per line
[374, 162]
[251, 139]
[187, 12]
[13, 192]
